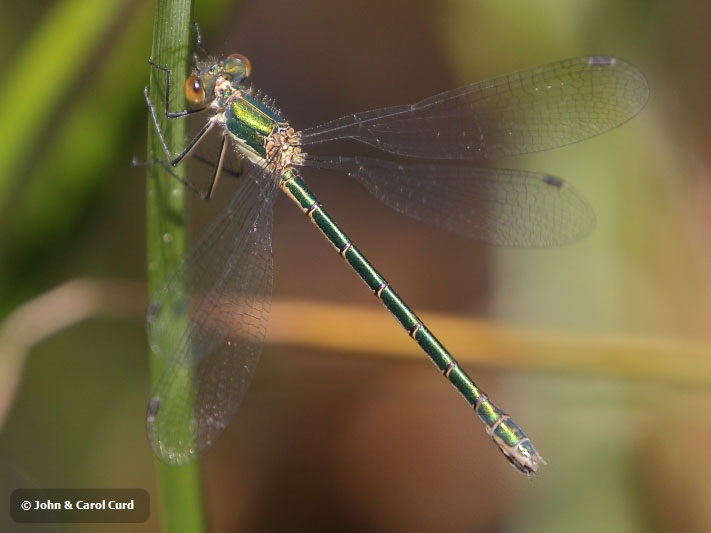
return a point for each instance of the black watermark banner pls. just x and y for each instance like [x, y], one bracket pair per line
[80, 505]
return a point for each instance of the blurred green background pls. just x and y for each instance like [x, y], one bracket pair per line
[336, 440]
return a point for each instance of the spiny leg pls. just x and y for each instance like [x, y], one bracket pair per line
[174, 160]
[216, 173]
[177, 159]
[217, 169]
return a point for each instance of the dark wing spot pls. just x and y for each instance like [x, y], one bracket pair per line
[153, 310]
[153, 407]
[553, 181]
[602, 61]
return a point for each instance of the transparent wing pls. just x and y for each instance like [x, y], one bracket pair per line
[214, 334]
[498, 206]
[528, 111]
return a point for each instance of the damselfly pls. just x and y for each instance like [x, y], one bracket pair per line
[228, 273]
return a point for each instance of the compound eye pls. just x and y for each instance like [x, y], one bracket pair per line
[237, 67]
[194, 91]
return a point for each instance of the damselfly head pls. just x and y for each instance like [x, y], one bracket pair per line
[200, 85]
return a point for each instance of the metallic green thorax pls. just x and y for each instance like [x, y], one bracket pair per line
[251, 121]
[507, 435]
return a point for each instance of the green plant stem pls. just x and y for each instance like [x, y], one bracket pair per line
[180, 488]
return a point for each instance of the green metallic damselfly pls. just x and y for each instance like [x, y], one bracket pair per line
[228, 272]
